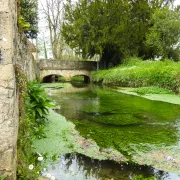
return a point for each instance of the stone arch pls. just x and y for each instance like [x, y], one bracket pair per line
[86, 77]
[51, 78]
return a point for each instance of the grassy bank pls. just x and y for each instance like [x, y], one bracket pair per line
[138, 73]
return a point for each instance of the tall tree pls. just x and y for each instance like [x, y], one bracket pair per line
[113, 29]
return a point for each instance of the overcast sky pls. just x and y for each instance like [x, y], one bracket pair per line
[177, 2]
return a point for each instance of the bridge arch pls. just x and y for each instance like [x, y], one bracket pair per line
[86, 79]
[51, 78]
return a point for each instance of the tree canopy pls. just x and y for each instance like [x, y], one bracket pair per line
[115, 29]
[28, 17]
[164, 35]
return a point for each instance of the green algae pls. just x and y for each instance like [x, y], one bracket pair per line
[55, 85]
[54, 142]
[62, 138]
[152, 90]
[170, 98]
[134, 126]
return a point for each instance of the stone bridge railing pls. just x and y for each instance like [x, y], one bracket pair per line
[67, 65]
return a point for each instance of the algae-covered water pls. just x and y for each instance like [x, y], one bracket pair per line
[145, 132]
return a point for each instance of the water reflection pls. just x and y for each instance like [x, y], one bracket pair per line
[79, 167]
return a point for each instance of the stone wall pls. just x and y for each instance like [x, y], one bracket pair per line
[13, 51]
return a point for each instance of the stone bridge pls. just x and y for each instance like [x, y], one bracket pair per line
[51, 70]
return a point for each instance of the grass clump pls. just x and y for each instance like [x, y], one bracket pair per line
[152, 90]
[164, 74]
[141, 177]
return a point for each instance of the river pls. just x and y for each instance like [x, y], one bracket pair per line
[145, 132]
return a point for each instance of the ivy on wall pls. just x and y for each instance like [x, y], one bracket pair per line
[28, 17]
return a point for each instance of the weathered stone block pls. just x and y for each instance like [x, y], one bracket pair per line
[7, 78]
[6, 160]
[4, 5]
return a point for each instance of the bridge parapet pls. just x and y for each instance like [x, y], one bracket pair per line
[67, 65]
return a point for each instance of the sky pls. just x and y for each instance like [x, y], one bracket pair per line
[177, 2]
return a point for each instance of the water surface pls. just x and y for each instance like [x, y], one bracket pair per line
[142, 130]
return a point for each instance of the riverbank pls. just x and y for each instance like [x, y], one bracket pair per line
[138, 73]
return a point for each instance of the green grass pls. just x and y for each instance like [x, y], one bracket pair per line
[138, 73]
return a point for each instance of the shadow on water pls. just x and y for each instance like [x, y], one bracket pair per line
[79, 167]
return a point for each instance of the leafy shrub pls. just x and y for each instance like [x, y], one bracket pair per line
[39, 104]
[132, 61]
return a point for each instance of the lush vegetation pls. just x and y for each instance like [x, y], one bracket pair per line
[138, 73]
[34, 106]
[122, 28]
[28, 17]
